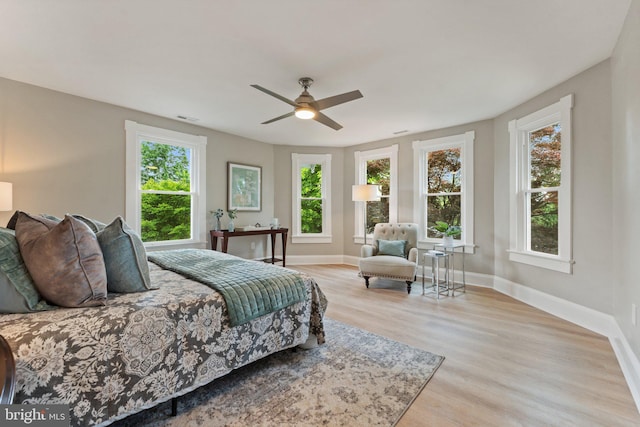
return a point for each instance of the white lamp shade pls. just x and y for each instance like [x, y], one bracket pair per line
[6, 196]
[365, 193]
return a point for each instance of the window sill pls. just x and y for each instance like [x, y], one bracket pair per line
[178, 244]
[549, 262]
[359, 240]
[311, 239]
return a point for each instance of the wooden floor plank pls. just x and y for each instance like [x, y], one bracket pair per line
[507, 363]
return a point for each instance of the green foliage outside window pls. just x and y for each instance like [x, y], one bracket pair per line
[444, 183]
[379, 173]
[545, 172]
[165, 216]
[311, 203]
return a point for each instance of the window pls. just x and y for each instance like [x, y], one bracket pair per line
[540, 201]
[165, 185]
[444, 191]
[311, 198]
[379, 167]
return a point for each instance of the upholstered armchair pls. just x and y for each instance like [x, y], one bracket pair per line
[393, 253]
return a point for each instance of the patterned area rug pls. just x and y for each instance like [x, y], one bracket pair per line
[355, 379]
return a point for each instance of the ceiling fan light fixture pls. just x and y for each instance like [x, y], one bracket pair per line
[305, 113]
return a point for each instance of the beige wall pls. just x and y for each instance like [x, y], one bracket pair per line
[625, 64]
[67, 154]
[590, 284]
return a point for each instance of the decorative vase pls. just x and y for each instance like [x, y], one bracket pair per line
[447, 240]
[231, 227]
[217, 226]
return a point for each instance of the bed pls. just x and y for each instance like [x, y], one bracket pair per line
[144, 348]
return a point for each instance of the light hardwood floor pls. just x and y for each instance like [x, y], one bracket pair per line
[507, 363]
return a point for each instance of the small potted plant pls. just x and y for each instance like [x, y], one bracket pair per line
[448, 232]
[233, 214]
[218, 213]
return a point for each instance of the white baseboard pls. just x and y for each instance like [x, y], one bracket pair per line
[596, 321]
[588, 318]
[629, 363]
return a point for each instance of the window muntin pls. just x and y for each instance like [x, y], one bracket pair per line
[379, 173]
[544, 165]
[378, 167]
[165, 200]
[311, 198]
[443, 168]
[444, 188]
[540, 201]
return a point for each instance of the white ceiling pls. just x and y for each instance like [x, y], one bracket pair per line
[420, 64]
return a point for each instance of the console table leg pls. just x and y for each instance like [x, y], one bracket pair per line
[284, 249]
[273, 248]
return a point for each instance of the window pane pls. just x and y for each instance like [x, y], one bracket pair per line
[379, 173]
[311, 216]
[544, 152]
[442, 208]
[444, 173]
[165, 217]
[544, 222]
[377, 212]
[311, 181]
[164, 165]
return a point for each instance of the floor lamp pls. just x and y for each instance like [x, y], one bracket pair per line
[365, 193]
[6, 196]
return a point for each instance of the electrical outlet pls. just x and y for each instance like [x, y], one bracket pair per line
[634, 314]
[253, 245]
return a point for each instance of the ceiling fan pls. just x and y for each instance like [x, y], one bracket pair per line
[306, 107]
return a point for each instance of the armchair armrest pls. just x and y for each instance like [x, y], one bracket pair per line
[413, 254]
[367, 251]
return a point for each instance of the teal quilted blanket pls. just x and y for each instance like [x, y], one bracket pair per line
[250, 289]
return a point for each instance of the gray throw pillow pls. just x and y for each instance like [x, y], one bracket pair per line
[11, 225]
[64, 260]
[125, 258]
[18, 294]
[392, 247]
[93, 224]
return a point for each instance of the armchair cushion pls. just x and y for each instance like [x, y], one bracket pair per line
[392, 247]
[393, 267]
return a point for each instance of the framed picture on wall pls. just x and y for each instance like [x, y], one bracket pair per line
[244, 187]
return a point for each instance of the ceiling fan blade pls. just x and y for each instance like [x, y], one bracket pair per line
[275, 95]
[284, 116]
[337, 99]
[327, 121]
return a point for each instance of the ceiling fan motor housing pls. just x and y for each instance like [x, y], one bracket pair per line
[305, 82]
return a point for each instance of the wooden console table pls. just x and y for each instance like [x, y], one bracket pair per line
[226, 234]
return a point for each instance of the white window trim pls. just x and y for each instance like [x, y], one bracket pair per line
[464, 141]
[297, 160]
[361, 159]
[135, 134]
[518, 131]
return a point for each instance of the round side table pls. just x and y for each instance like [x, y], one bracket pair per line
[7, 373]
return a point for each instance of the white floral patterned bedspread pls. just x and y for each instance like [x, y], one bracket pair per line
[144, 348]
